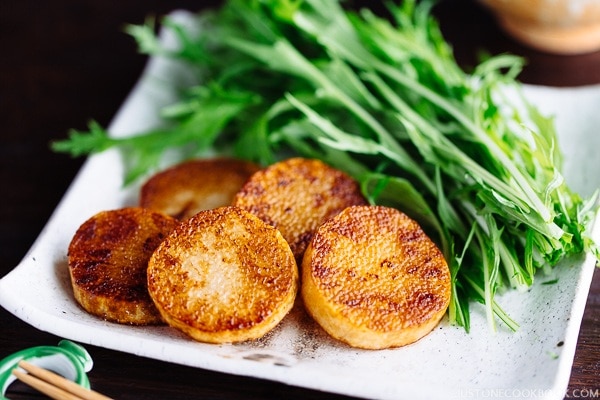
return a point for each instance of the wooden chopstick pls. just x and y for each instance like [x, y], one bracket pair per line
[54, 385]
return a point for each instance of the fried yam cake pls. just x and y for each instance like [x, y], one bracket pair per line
[192, 186]
[297, 195]
[372, 278]
[108, 258]
[223, 276]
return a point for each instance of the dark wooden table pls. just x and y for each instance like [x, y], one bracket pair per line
[66, 62]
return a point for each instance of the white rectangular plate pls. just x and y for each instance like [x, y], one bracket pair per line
[448, 363]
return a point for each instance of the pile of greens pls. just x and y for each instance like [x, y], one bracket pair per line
[382, 98]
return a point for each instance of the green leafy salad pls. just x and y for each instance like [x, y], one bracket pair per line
[382, 98]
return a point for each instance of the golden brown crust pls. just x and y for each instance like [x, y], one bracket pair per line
[223, 276]
[108, 258]
[373, 279]
[297, 195]
[192, 186]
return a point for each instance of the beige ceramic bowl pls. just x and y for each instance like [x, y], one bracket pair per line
[555, 26]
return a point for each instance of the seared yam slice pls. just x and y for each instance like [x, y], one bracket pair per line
[192, 186]
[296, 196]
[223, 276]
[108, 258]
[373, 279]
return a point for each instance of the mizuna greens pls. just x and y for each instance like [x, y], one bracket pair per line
[382, 98]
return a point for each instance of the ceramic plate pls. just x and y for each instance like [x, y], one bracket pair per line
[448, 363]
